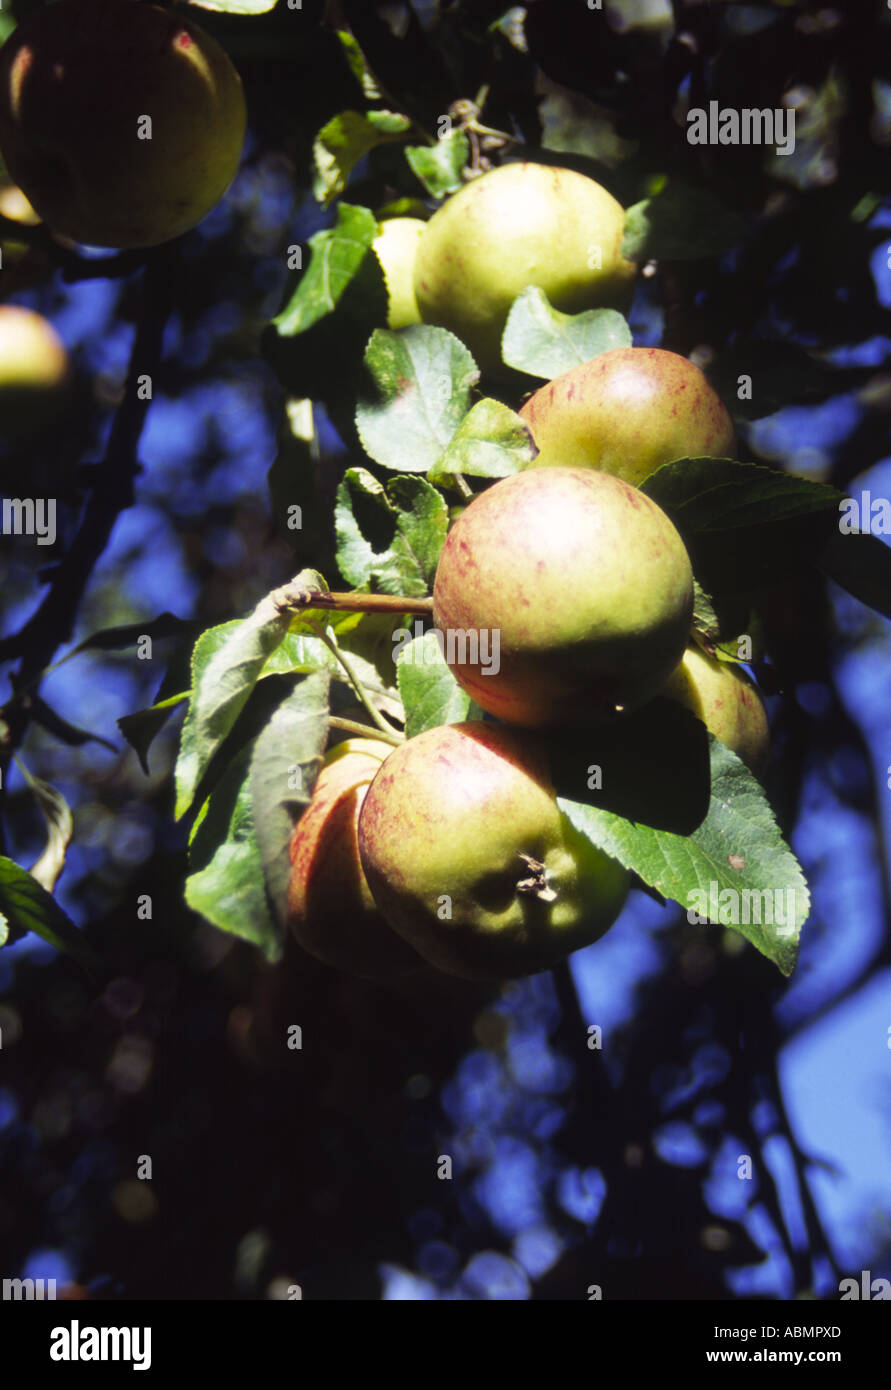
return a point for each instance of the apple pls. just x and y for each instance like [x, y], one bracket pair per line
[396, 246]
[726, 701]
[330, 909]
[34, 372]
[472, 861]
[628, 411]
[579, 585]
[78, 80]
[519, 225]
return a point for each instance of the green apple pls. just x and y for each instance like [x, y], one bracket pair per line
[82, 84]
[519, 225]
[330, 908]
[34, 372]
[396, 246]
[628, 411]
[472, 861]
[726, 701]
[562, 594]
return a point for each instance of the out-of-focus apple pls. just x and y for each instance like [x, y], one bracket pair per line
[726, 701]
[34, 372]
[83, 85]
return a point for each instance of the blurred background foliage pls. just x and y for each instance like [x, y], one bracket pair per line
[573, 1165]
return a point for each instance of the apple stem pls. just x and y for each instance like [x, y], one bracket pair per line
[352, 726]
[331, 643]
[299, 596]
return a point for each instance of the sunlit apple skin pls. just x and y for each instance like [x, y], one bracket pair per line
[443, 832]
[75, 80]
[519, 225]
[330, 908]
[396, 246]
[627, 412]
[34, 373]
[588, 585]
[726, 701]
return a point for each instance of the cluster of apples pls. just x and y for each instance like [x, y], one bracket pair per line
[122, 125]
[452, 849]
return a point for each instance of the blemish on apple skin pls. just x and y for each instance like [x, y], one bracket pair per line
[183, 40]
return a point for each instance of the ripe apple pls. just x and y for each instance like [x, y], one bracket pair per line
[34, 372]
[471, 859]
[396, 246]
[78, 80]
[330, 908]
[582, 582]
[628, 411]
[726, 701]
[519, 225]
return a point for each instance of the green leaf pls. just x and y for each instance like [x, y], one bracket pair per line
[113, 638]
[141, 728]
[337, 255]
[490, 442]
[226, 664]
[746, 527]
[429, 691]
[27, 906]
[681, 223]
[419, 517]
[416, 396]
[226, 885]
[861, 564]
[344, 140]
[705, 619]
[538, 339]
[284, 766]
[358, 65]
[781, 374]
[681, 811]
[59, 830]
[439, 166]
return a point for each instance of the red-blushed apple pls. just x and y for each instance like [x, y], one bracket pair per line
[330, 908]
[83, 85]
[472, 861]
[723, 697]
[520, 225]
[627, 412]
[562, 595]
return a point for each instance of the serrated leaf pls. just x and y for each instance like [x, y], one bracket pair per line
[141, 728]
[439, 166]
[227, 887]
[681, 223]
[490, 442]
[429, 691]
[746, 527]
[416, 395]
[344, 140]
[705, 619]
[226, 664]
[27, 906]
[284, 765]
[719, 829]
[540, 340]
[337, 255]
[419, 517]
